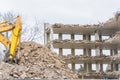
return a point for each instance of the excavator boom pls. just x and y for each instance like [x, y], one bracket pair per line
[6, 28]
[12, 46]
[5, 41]
[15, 41]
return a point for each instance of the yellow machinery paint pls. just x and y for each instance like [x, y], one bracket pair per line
[14, 43]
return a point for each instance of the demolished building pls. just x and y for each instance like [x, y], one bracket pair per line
[110, 28]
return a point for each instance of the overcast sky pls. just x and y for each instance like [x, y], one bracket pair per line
[63, 11]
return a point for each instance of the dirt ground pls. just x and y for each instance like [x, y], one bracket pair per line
[37, 61]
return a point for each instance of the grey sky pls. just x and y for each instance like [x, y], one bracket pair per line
[63, 11]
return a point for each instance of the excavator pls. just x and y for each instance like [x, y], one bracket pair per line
[12, 52]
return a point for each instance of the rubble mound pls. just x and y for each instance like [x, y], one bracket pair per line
[115, 39]
[38, 61]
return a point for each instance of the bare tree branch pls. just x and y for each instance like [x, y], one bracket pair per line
[36, 32]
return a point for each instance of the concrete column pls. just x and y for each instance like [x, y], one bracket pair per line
[46, 25]
[115, 51]
[87, 52]
[84, 37]
[101, 67]
[112, 67]
[60, 49]
[60, 36]
[51, 38]
[48, 43]
[97, 67]
[72, 36]
[73, 64]
[101, 52]
[97, 51]
[88, 37]
[73, 53]
[48, 37]
[60, 52]
[111, 52]
[85, 67]
[100, 37]
[89, 67]
[72, 50]
[45, 38]
[97, 37]
[73, 67]
[115, 67]
[84, 52]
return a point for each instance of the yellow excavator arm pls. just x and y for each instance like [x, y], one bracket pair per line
[6, 28]
[5, 41]
[15, 41]
[11, 45]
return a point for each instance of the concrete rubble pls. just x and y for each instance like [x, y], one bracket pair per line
[37, 61]
[59, 25]
[115, 58]
[110, 75]
[110, 28]
[115, 39]
[88, 59]
[76, 41]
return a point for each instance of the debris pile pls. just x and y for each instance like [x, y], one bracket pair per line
[99, 75]
[115, 39]
[37, 61]
[115, 58]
